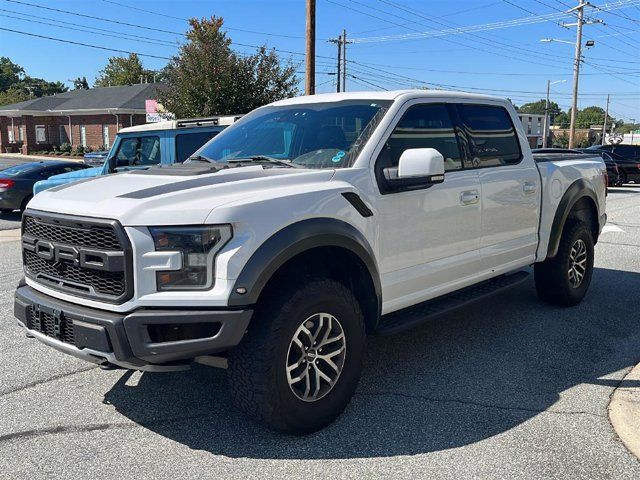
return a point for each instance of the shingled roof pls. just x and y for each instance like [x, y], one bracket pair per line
[128, 99]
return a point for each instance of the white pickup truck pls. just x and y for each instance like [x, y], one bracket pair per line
[293, 234]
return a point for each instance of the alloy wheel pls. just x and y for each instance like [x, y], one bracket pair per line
[577, 263]
[316, 357]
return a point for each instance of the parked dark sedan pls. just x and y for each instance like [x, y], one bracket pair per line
[628, 159]
[16, 183]
[614, 172]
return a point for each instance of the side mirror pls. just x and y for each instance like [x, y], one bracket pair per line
[425, 163]
[112, 164]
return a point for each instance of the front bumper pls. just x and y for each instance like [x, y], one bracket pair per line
[146, 339]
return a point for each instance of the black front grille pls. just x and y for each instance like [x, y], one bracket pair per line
[103, 238]
[60, 252]
[58, 327]
[82, 279]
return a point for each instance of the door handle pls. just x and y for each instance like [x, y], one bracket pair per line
[529, 187]
[469, 197]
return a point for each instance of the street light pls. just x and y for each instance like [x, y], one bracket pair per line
[545, 130]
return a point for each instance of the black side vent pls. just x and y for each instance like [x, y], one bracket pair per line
[355, 200]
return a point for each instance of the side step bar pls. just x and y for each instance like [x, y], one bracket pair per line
[407, 318]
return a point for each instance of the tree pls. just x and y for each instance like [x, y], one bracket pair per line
[562, 120]
[10, 73]
[123, 71]
[561, 141]
[538, 108]
[80, 84]
[16, 86]
[208, 78]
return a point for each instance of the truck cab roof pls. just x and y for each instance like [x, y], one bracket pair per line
[225, 120]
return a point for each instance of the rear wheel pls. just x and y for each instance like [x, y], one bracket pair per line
[564, 279]
[622, 178]
[299, 364]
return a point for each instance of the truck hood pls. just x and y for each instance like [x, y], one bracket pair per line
[155, 198]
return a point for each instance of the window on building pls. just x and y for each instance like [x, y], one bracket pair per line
[492, 136]
[41, 134]
[10, 132]
[188, 143]
[105, 136]
[83, 136]
[64, 138]
[21, 133]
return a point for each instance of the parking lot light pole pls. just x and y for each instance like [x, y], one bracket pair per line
[547, 120]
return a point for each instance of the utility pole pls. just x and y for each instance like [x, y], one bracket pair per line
[338, 41]
[604, 124]
[310, 81]
[545, 129]
[344, 60]
[576, 75]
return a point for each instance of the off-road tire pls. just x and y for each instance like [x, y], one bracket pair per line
[257, 366]
[622, 178]
[551, 276]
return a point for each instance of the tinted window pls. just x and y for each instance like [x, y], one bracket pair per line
[626, 151]
[492, 137]
[188, 143]
[422, 126]
[135, 151]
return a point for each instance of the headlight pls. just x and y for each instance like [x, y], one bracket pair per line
[199, 245]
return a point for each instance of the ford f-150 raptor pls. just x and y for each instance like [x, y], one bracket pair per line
[293, 234]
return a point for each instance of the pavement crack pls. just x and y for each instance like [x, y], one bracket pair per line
[479, 404]
[46, 380]
[69, 429]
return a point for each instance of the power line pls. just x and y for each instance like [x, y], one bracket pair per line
[95, 18]
[186, 20]
[78, 29]
[84, 44]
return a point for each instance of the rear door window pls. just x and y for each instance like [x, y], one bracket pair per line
[188, 143]
[493, 140]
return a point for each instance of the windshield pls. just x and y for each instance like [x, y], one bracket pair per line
[319, 135]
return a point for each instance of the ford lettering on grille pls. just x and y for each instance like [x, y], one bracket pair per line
[84, 257]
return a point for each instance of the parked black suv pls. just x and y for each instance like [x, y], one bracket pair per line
[627, 157]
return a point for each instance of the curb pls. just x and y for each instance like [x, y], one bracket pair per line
[19, 156]
[624, 411]
[10, 235]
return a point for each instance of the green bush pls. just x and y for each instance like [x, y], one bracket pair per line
[77, 151]
[65, 147]
[88, 149]
[66, 154]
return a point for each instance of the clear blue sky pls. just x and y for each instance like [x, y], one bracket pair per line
[498, 52]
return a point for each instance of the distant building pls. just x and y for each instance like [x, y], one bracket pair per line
[534, 128]
[90, 118]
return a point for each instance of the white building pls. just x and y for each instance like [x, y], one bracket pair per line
[533, 126]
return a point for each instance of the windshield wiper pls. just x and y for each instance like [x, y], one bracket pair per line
[200, 158]
[262, 159]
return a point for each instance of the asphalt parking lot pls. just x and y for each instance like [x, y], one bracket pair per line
[506, 388]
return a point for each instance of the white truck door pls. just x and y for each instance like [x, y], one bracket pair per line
[428, 237]
[510, 185]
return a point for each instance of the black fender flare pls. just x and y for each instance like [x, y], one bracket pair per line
[577, 190]
[293, 240]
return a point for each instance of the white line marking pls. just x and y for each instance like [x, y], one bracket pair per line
[612, 228]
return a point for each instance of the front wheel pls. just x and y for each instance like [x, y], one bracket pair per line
[564, 279]
[299, 364]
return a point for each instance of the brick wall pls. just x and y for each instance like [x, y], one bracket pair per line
[58, 132]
